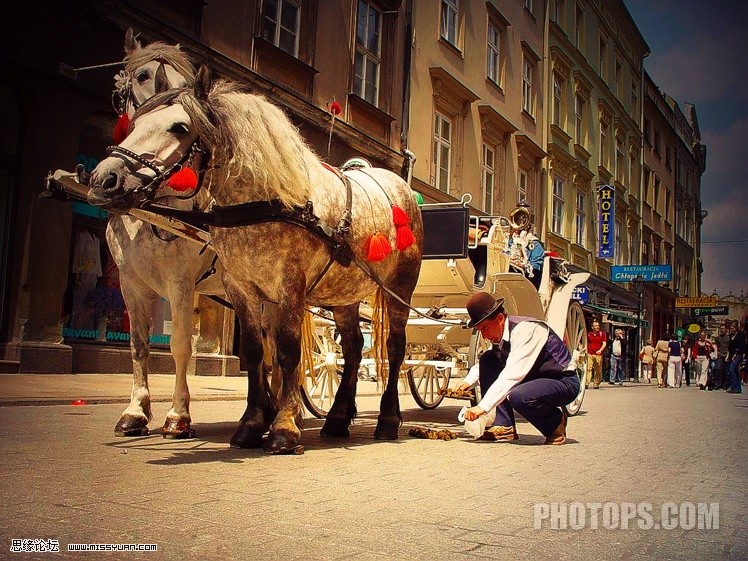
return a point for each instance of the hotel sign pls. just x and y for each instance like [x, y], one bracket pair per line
[606, 212]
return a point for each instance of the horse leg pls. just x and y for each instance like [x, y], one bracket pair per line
[390, 418]
[343, 410]
[178, 420]
[284, 433]
[260, 411]
[134, 419]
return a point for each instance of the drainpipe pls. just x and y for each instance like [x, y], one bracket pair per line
[405, 125]
[544, 175]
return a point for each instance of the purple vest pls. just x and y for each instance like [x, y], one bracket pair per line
[553, 359]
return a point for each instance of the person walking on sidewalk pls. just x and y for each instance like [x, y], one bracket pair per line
[528, 369]
[719, 373]
[617, 357]
[674, 371]
[646, 355]
[596, 342]
[661, 354]
[735, 352]
[700, 352]
[686, 361]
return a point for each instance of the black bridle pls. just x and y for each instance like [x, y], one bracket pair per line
[149, 189]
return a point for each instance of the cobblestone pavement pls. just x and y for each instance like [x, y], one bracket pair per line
[66, 477]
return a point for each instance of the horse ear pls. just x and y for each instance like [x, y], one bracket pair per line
[202, 82]
[161, 81]
[131, 43]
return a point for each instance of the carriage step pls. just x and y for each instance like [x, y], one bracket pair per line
[10, 366]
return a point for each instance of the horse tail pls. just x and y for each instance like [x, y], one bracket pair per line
[306, 364]
[380, 330]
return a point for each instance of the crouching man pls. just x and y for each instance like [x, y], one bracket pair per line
[528, 369]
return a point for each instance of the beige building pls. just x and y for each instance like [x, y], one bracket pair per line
[476, 111]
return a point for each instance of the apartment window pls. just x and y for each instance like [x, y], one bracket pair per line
[522, 188]
[558, 12]
[527, 69]
[667, 205]
[603, 144]
[603, 57]
[620, 162]
[557, 219]
[579, 119]
[633, 242]
[657, 143]
[448, 29]
[528, 5]
[619, 80]
[647, 132]
[557, 99]
[634, 99]
[442, 151]
[645, 253]
[581, 218]
[667, 157]
[619, 242]
[579, 28]
[488, 178]
[281, 24]
[368, 52]
[493, 54]
[656, 254]
[647, 178]
[657, 194]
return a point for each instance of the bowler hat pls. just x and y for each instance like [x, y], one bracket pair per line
[481, 306]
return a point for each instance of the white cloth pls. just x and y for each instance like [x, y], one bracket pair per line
[528, 339]
[616, 347]
[673, 370]
[87, 254]
[702, 364]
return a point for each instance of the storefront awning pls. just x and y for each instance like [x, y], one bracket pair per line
[617, 317]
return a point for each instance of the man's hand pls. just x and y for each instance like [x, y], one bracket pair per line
[463, 387]
[473, 413]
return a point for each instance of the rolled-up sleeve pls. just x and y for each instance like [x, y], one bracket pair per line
[527, 340]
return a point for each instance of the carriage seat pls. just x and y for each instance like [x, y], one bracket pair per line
[491, 241]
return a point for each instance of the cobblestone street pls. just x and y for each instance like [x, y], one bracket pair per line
[66, 477]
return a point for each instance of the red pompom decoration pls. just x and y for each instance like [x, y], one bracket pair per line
[404, 237]
[399, 217]
[121, 128]
[184, 180]
[335, 108]
[377, 247]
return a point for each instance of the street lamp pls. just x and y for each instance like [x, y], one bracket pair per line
[639, 289]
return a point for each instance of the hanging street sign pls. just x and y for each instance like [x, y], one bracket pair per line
[606, 212]
[628, 273]
[581, 294]
[696, 302]
[714, 311]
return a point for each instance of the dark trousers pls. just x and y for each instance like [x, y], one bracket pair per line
[537, 400]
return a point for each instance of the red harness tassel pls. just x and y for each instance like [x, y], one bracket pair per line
[404, 235]
[121, 128]
[184, 180]
[377, 247]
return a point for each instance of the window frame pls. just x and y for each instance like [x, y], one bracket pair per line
[277, 22]
[368, 56]
[527, 90]
[557, 209]
[449, 8]
[488, 170]
[581, 218]
[558, 100]
[493, 51]
[440, 142]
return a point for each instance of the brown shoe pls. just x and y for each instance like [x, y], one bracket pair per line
[499, 433]
[558, 436]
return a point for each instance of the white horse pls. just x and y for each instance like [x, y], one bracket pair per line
[308, 231]
[152, 265]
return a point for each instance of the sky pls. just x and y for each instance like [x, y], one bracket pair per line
[699, 55]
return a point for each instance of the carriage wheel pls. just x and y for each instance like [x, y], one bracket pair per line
[321, 384]
[575, 338]
[425, 380]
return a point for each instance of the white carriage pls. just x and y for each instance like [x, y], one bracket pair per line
[462, 254]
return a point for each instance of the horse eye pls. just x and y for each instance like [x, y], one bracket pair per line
[142, 76]
[179, 129]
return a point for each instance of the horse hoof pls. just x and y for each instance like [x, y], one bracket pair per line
[335, 428]
[282, 442]
[386, 431]
[247, 437]
[177, 429]
[129, 425]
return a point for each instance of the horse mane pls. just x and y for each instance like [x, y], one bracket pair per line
[255, 147]
[169, 54]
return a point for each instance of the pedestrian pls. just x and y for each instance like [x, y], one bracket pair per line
[528, 370]
[661, 357]
[646, 355]
[617, 357]
[597, 340]
[674, 371]
[719, 372]
[701, 351]
[735, 352]
[685, 357]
